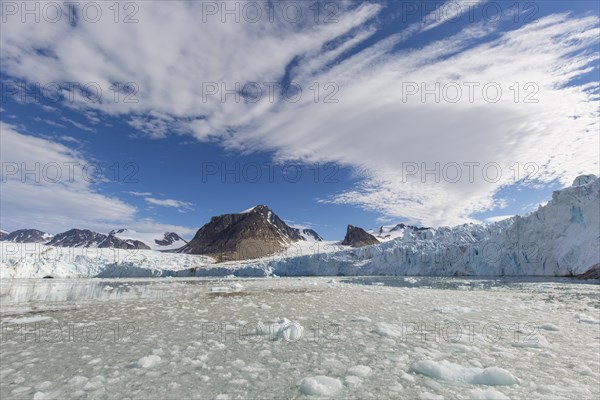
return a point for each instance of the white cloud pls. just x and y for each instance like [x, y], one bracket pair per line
[180, 205]
[141, 194]
[372, 128]
[43, 187]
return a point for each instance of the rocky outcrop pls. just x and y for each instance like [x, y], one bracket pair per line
[358, 237]
[310, 234]
[169, 239]
[155, 240]
[592, 273]
[255, 233]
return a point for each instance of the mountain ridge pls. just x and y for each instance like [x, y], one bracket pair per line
[559, 239]
[253, 233]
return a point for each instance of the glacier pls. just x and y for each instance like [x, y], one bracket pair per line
[561, 238]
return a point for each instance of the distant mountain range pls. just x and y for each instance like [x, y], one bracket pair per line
[120, 239]
[254, 233]
[27, 236]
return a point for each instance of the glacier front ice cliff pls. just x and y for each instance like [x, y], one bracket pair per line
[561, 238]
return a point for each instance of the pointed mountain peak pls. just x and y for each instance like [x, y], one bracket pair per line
[358, 237]
[254, 233]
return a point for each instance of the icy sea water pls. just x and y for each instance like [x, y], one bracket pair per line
[377, 337]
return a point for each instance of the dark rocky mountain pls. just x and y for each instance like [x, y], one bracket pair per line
[310, 234]
[255, 233]
[358, 237]
[3, 234]
[156, 241]
[77, 238]
[87, 238]
[411, 227]
[592, 273]
[169, 239]
[27, 236]
[114, 242]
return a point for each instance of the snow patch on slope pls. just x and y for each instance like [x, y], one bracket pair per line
[150, 239]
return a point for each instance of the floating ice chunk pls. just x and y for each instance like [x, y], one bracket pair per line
[43, 385]
[320, 386]
[549, 327]
[450, 372]
[534, 341]
[586, 319]
[359, 370]
[77, 380]
[361, 319]
[585, 370]
[149, 361]
[282, 329]
[459, 348]
[487, 394]
[20, 390]
[236, 287]
[158, 352]
[430, 396]
[388, 330]
[95, 383]
[42, 396]
[27, 320]
[452, 310]
[353, 380]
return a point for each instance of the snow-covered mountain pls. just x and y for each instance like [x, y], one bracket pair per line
[27, 236]
[253, 233]
[387, 233]
[87, 238]
[3, 234]
[156, 241]
[309, 235]
[561, 238]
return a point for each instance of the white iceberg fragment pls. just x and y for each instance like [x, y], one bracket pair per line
[148, 361]
[320, 386]
[450, 372]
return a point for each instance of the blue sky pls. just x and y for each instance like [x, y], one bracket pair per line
[356, 156]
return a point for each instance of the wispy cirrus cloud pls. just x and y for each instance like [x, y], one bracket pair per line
[141, 194]
[178, 204]
[376, 127]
